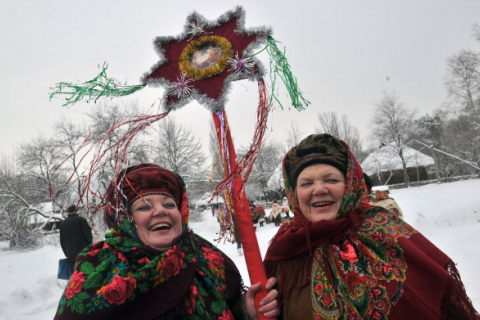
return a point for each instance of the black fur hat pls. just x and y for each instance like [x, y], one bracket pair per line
[315, 149]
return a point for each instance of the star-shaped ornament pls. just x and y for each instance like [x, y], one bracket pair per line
[201, 62]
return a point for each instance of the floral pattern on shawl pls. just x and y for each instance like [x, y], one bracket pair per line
[377, 195]
[115, 272]
[357, 263]
[347, 271]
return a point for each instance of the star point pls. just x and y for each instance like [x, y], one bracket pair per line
[201, 62]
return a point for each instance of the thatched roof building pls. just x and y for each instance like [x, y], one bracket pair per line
[384, 166]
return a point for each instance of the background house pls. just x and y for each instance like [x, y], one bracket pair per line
[384, 166]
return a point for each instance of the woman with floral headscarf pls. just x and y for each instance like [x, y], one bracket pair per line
[151, 265]
[342, 258]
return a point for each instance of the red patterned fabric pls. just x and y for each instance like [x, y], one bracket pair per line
[377, 195]
[366, 264]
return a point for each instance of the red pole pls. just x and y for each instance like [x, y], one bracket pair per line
[252, 254]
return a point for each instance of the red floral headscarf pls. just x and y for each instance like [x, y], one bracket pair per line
[138, 181]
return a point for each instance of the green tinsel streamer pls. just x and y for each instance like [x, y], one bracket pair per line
[99, 86]
[279, 66]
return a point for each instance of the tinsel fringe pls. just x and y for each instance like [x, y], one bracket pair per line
[280, 66]
[245, 165]
[100, 86]
[119, 150]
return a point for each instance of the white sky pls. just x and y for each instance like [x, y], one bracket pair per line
[341, 52]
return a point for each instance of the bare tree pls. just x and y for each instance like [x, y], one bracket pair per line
[476, 32]
[340, 128]
[105, 125]
[269, 156]
[176, 148]
[38, 160]
[69, 136]
[215, 153]
[329, 123]
[392, 123]
[294, 135]
[462, 81]
[16, 211]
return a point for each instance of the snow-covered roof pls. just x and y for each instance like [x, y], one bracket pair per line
[383, 159]
[47, 208]
[276, 180]
[38, 219]
[386, 159]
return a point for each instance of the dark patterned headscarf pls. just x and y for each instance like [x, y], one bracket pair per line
[315, 149]
[122, 278]
[324, 148]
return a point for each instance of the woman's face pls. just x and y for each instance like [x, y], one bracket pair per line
[157, 220]
[320, 189]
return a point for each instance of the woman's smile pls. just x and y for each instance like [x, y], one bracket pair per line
[157, 220]
[161, 227]
[320, 189]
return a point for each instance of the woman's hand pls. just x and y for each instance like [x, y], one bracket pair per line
[269, 305]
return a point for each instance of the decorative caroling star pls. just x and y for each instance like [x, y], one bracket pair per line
[202, 61]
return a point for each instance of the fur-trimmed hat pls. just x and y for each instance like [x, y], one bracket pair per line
[315, 149]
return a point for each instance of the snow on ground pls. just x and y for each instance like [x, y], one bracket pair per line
[448, 214]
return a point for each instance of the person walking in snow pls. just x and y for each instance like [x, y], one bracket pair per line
[342, 258]
[75, 235]
[261, 213]
[276, 214]
[285, 208]
[151, 265]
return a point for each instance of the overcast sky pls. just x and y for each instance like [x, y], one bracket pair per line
[344, 53]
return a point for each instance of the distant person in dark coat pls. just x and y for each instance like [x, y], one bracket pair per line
[75, 235]
[261, 214]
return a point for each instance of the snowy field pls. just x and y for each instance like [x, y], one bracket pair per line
[447, 214]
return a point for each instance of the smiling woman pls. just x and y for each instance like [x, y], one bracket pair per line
[342, 258]
[320, 190]
[157, 220]
[151, 265]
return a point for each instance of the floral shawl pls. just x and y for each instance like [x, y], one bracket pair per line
[120, 278]
[365, 264]
[377, 195]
